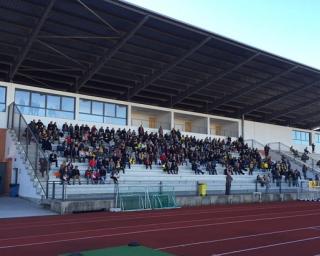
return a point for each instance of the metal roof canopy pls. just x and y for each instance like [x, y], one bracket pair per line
[117, 50]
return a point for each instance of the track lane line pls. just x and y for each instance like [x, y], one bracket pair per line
[145, 225]
[185, 211]
[153, 230]
[107, 219]
[267, 246]
[236, 238]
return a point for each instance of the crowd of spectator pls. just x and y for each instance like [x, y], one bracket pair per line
[109, 152]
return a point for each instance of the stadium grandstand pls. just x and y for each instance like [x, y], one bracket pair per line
[106, 105]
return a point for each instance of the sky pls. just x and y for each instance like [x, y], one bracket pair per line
[288, 28]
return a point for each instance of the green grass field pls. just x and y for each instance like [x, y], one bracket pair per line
[122, 251]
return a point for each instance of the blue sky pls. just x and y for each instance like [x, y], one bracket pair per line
[289, 28]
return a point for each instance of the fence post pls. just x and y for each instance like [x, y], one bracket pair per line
[47, 189]
[279, 147]
[12, 123]
[54, 190]
[63, 185]
[197, 188]
[27, 143]
[19, 131]
[37, 159]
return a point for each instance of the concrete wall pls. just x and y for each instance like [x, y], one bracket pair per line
[65, 207]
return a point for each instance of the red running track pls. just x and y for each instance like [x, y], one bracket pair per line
[258, 229]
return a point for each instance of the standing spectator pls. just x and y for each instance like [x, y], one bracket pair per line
[313, 146]
[229, 179]
[266, 150]
[304, 171]
[43, 166]
[316, 178]
[53, 159]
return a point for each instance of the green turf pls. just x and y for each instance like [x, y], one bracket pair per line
[124, 251]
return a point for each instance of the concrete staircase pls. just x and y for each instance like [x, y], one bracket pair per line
[27, 168]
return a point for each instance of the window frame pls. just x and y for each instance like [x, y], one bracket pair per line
[104, 112]
[46, 102]
[5, 98]
[301, 137]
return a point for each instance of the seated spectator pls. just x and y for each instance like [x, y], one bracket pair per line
[95, 177]
[88, 175]
[294, 152]
[304, 157]
[174, 167]
[260, 180]
[103, 174]
[93, 163]
[76, 175]
[115, 177]
[196, 168]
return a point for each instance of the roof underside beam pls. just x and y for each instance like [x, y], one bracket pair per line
[31, 39]
[108, 55]
[277, 114]
[307, 116]
[313, 125]
[247, 89]
[160, 73]
[211, 80]
[271, 100]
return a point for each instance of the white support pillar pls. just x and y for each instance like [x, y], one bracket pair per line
[129, 116]
[172, 119]
[77, 108]
[208, 126]
[242, 126]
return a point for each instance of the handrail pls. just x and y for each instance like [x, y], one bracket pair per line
[281, 145]
[15, 109]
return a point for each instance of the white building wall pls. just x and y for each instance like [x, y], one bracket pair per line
[266, 133]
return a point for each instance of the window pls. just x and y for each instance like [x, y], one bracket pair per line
[96, 111]
[317, 138]
[3, 96]
[300, 137]
[42, 104]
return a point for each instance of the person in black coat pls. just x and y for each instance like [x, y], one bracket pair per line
[53, 159]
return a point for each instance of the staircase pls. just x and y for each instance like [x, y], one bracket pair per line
[283, 149]
[27, 153]
[277, 149]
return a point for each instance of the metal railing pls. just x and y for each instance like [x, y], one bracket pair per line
[29, 143]
[286, 151]
[65, 191]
